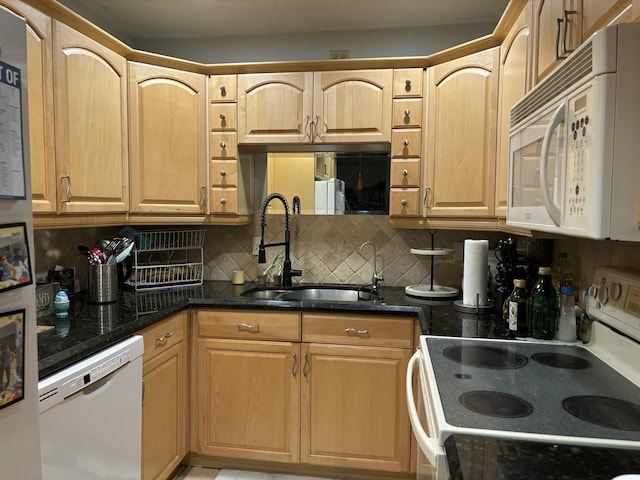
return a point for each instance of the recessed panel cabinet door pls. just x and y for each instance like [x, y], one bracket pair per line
[168, 140]
[461, 145]
[514, 83]
[248, 399]
[275, 107]
[352, 106]
[90, 125]
[40, 90]
[354, 407]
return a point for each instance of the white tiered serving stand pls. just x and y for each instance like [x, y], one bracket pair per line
[431, 290]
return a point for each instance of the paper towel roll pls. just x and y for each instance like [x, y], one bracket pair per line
[474, 279]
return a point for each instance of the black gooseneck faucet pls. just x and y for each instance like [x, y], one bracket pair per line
[287, 271]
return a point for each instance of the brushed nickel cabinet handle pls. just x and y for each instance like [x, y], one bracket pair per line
[355, 331]
[404, 202]
[405, 142]
[203, 195]
[405, 173]
[305, 369]
[163, 339]
[407, 112]
[223, 200]
[223, 116]
[294, 367]
[223, 145]
[222, 173]
[250, 328]
[307, 121]
[67, 198]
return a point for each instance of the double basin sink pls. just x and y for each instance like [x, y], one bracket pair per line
[327, 293]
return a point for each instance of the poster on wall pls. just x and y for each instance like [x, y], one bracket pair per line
[11, 357]
[12, 175]
[15, 267]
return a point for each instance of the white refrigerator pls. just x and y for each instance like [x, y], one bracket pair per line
[19, 427]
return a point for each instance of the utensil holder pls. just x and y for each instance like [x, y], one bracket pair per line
[103, 283]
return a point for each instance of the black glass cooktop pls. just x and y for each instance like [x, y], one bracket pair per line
[532, 387]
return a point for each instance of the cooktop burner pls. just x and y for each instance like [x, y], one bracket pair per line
[604, 411]
[496, 404]
[485, 357]
[561, 360]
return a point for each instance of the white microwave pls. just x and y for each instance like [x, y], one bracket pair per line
[574, 143]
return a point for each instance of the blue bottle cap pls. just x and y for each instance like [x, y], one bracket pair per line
[566, 290]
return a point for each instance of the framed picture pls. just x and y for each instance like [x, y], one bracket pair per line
[11, 357]
[15, 267]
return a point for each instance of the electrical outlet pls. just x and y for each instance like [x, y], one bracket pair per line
[338, 54]
[255, 245]
[458, 251]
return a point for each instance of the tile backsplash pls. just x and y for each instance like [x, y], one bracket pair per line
[325, 248]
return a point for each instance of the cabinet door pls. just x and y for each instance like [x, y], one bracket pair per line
[248, 399]
[558, 32]
[275, 107]
[164, 410]
[597, 14]
[514, 83]
[168, 140]
[352, 106]
[90, 125]
[461, 145]
[40, 90]
[354, 407]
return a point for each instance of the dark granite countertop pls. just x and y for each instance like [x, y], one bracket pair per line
[90, 328]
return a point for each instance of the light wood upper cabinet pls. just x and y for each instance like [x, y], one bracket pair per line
[165, 410]
[275, 107]
[560, 26]
[322, 107]
[461, 136]
[168, 140]
[514, 83]
[90, 125]
[352, 106]
[40, 91]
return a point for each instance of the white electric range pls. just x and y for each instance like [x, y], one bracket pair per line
[554, 399]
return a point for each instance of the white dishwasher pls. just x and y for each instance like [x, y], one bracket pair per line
[91, 416]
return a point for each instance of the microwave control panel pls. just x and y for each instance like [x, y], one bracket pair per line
[579, 143]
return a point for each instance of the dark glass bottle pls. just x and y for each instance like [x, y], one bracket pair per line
[544, 306]
[519, 310]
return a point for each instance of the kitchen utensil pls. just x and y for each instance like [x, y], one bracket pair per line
[92, 257]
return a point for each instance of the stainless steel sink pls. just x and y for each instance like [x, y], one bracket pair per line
[326, 293]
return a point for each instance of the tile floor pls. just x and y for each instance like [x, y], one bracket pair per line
[200, 473]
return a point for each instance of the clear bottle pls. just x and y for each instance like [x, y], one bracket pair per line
[519, 310]
[567, 323]
[544, 306]
[562, 272]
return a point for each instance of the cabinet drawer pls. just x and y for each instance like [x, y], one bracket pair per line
[407, 113]
[224, 173]
[222, 88]
[404, 202]
[224, 200]
[406, 142]
[346, 329]
[223, 117]
[249, 324]
[163, 335]
[407, 82]
[405, 172]
[224, 145]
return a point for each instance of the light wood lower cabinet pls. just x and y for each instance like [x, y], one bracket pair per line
[165, 405]
[336, 399]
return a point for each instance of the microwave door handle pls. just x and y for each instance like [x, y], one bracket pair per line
[429, 446]
[552, 208]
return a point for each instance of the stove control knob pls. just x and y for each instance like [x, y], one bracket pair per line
[615, 290]
[603, 295]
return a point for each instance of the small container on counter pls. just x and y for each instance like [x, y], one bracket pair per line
[544, 307]
[567, 322]
[519, 310]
